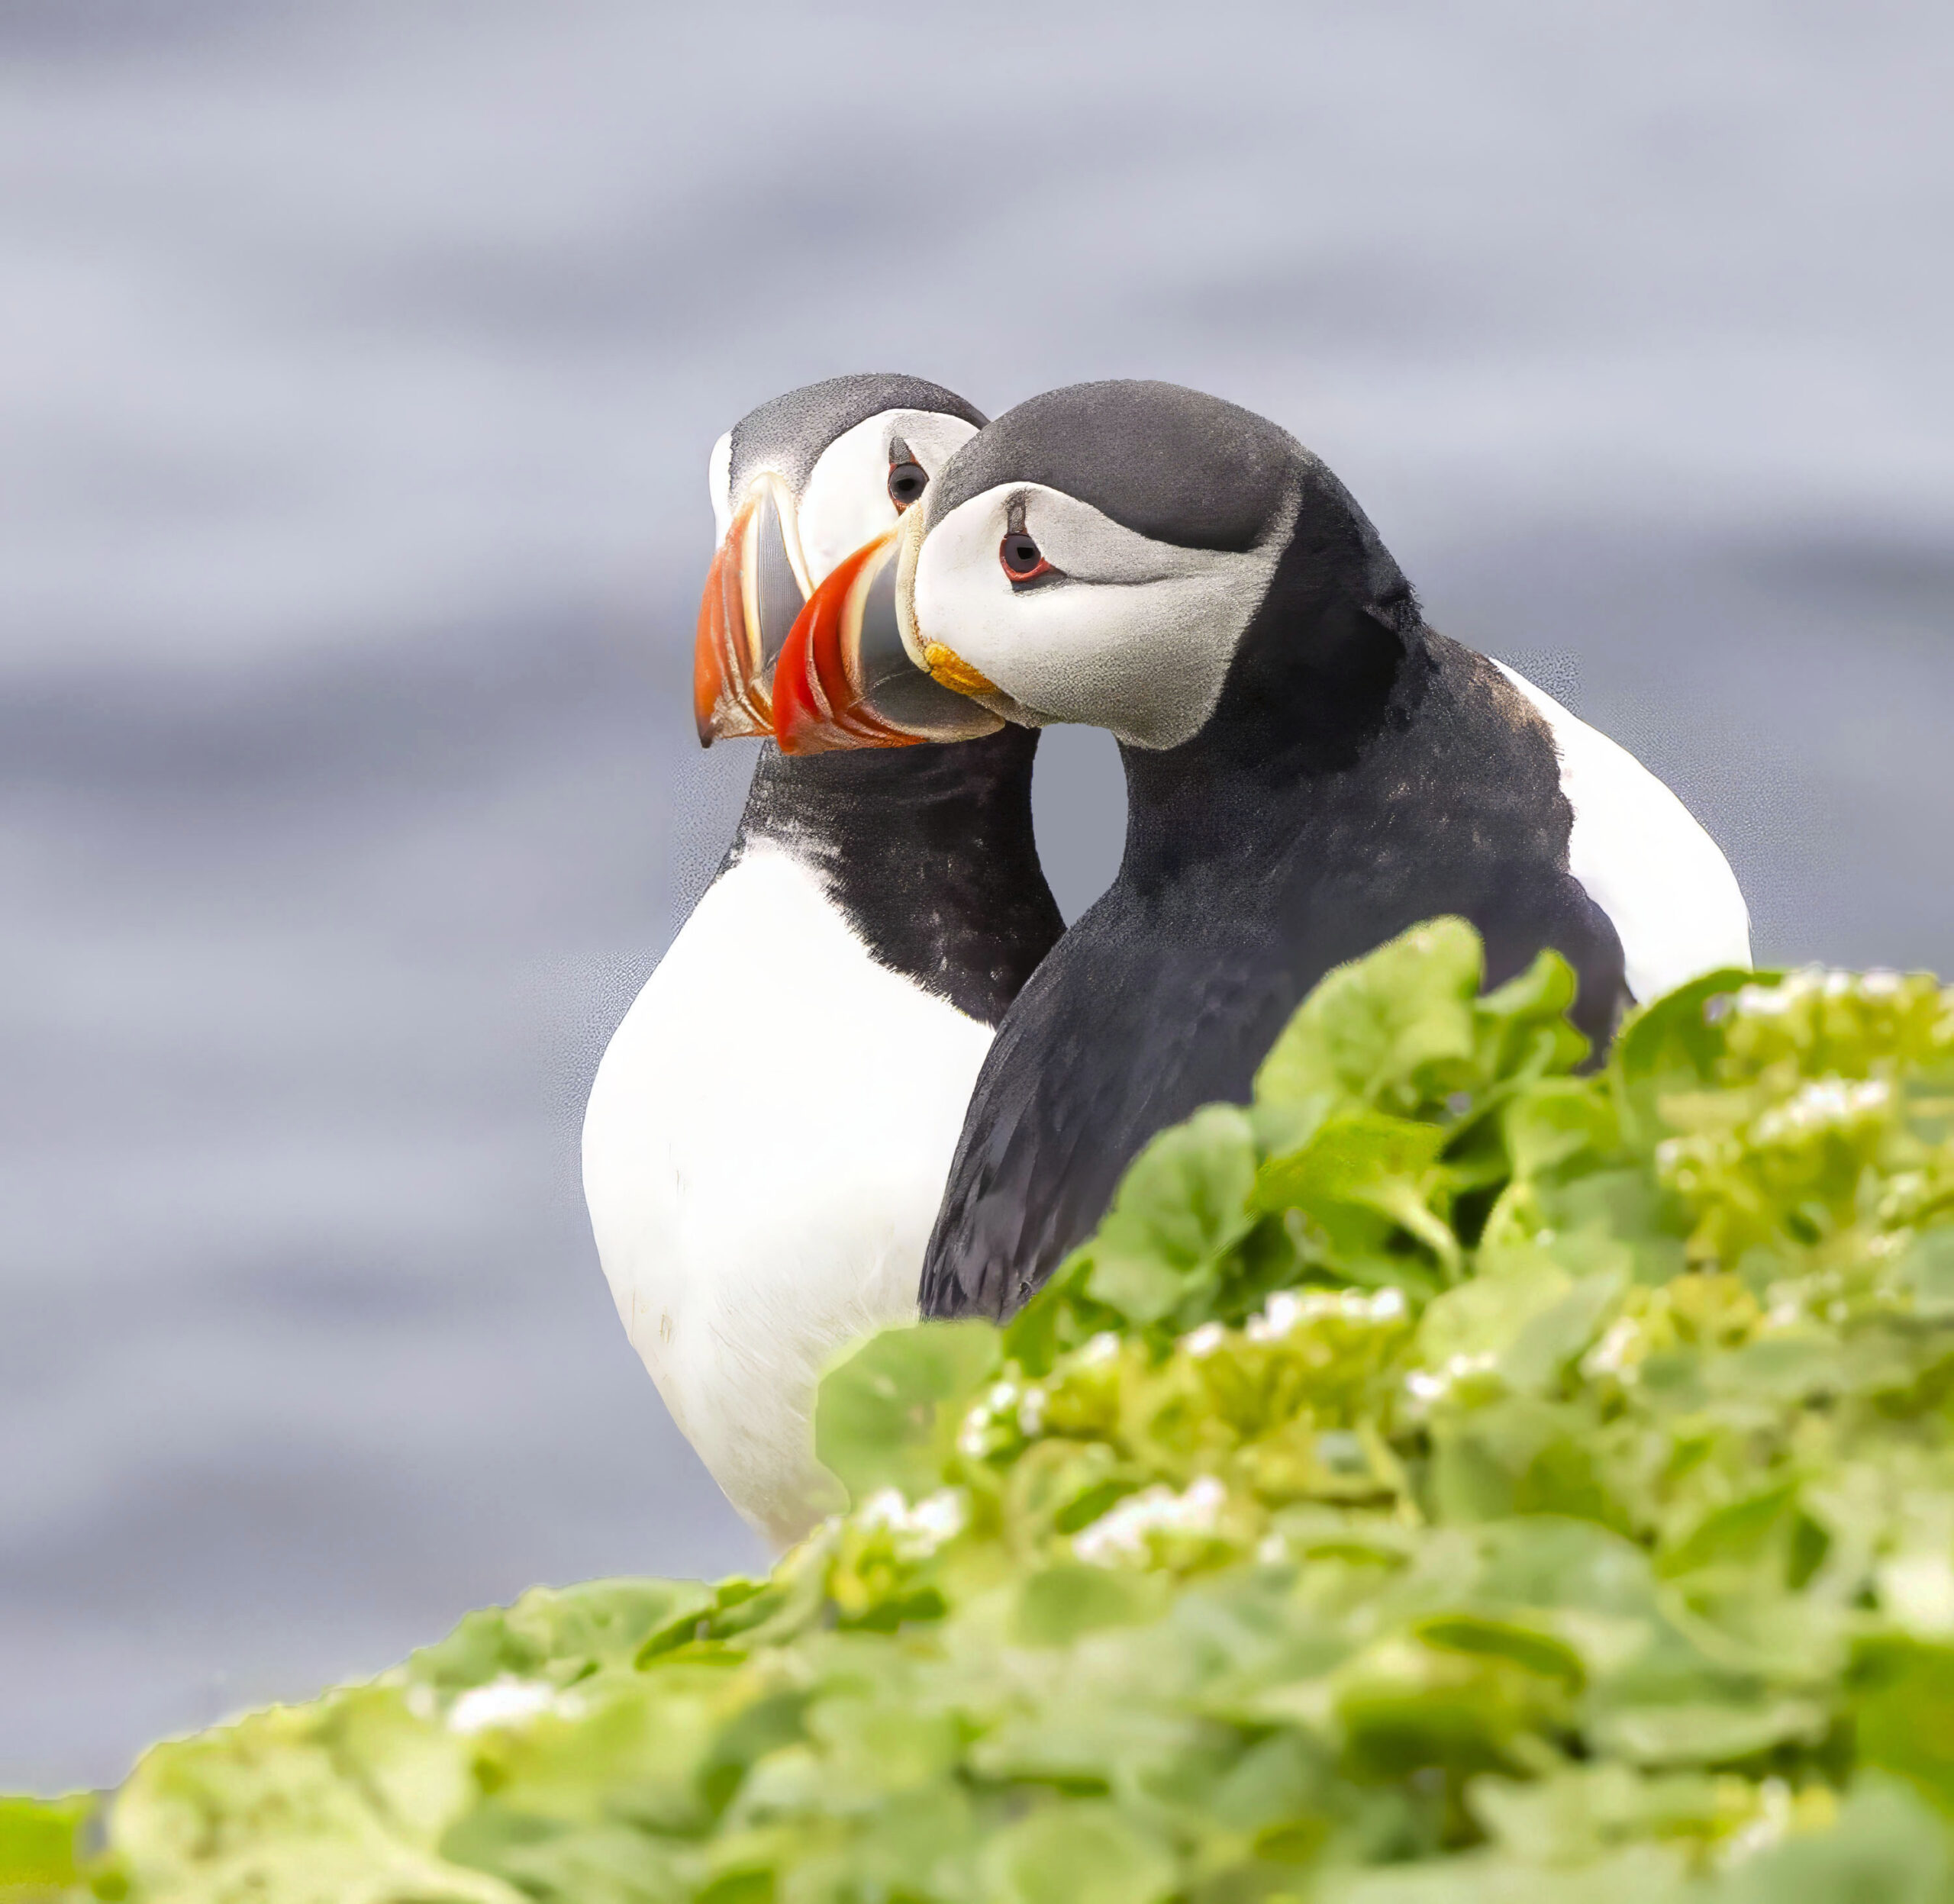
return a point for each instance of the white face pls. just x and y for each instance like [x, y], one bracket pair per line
[1134, 634]
[719, 487]
[845, 501]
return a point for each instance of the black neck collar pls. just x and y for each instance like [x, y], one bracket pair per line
[927, 851]
[1330, 663]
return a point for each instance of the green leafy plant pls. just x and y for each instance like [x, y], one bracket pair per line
[1457, 1475]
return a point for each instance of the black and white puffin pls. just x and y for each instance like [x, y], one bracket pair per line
[770, 1128]
[1310, 769]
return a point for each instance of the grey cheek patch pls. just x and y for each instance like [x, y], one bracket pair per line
[892, 683]
[777, 595]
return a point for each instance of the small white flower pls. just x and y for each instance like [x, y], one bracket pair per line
[1825, 1101]
[1766, 1001]
[973, 1437]
[1288, 1308]
[506, 1701]
[1610, 1355]
[917, 1531]
[1773, 1820]
[1430, 1385]
[1205, 1340]
[1918, 1590]
[939, 1517]
[884, 1508]
[1280, 1314]
[1120, 1532]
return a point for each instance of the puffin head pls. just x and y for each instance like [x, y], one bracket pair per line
[808, 484]
[1100, 553]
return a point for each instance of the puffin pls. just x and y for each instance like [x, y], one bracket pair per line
[1310, 769]
[769, 1130]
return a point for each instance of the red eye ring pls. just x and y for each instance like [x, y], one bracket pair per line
[1021, 558]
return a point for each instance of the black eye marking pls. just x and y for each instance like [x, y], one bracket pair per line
[1024, 561]
[907, 482]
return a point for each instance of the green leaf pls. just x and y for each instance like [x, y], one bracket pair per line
[1521, 1029]
[1525, 1323]
[1538, 1358]
[1371, 1028]
[561, 1632]
[1928, 1268]
[1624, 1203]
[1181, 1207]
[1709, 1734]
[349, 1797]
[1078, 1854]
[887, 1414]
[1555, 1122]
[40, 1844]
[1365, 1160]
[1476, 1635]
[1637, 1874]
[1676, 1038]
[1404, 1706]
[1904, 1704]
[1734, 1533]
[1059, 1604]
[1884, 1849]
[1541, 995]
[597, 1864]
[1520, 1455]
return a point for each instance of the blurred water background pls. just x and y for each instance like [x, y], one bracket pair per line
[359, 360]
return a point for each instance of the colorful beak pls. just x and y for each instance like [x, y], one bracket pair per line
[844, 679]
[753, 591]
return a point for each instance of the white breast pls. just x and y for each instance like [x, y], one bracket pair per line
[764, 1151]
[1660, 878]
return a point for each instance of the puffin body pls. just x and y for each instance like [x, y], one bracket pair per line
[769, 1133]
[881, 920]
[1234, 898]
[1310, 769]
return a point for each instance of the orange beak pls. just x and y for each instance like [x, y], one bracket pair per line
[753, 591]
[845, 680]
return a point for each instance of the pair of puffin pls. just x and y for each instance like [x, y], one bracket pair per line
[946, 1091]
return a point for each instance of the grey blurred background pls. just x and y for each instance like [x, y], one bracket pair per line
[359, 360]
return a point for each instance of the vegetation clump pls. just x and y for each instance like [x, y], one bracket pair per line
[1455, 1476]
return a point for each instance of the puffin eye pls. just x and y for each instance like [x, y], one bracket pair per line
[907, 482]
[1022, 560]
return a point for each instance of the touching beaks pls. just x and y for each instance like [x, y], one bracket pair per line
[753, 591]
[845, 679]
